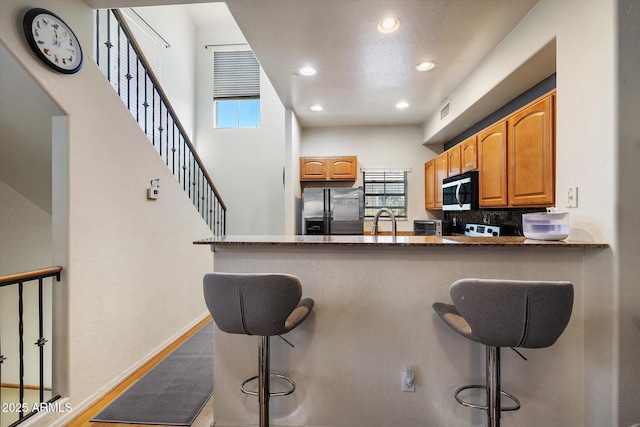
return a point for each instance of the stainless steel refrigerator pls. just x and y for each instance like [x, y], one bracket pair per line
[333, 211]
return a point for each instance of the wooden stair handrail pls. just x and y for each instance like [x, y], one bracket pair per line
[31, 275]
[156, 83]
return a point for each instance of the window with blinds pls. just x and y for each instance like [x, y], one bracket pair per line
[236, 89]
[385, 189]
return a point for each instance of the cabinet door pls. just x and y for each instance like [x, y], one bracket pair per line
[454, 161]
[343, 168]
[441, 169]
[492, 162]
[531, 155]
[430, 184]
[468, 154]
[313, 168]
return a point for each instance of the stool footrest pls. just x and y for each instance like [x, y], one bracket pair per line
[485, 407]
[280, 393]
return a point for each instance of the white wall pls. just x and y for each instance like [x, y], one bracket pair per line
[25, 244]
[247, 165]
[628, 158]
[293, 199]
[178, 61]
[132, 278]
[590, 156]
[378, 147]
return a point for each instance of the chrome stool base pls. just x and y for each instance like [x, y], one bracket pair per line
[271, 394]
[493, 406]
[485, 407]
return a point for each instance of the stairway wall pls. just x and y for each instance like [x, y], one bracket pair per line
[132, 278]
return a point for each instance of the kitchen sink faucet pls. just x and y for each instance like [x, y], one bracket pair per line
[374, 227]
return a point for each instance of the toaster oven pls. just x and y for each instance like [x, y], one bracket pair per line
[431, 227]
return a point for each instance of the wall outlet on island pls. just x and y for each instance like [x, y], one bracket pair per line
[408, 378]
[572, 197]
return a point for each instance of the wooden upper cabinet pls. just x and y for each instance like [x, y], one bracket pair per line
[441, 172]
[313, 168]
[328, 168]
[454, 161]
[430, 184]
[468, 154]
[492, 162]
[342, 168]
[515, 159]
[531, 151]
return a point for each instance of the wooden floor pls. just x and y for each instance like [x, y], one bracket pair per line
[204, 419]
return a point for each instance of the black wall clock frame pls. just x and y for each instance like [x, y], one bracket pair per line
[52, 40]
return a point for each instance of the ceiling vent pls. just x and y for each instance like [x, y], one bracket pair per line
[444, 111]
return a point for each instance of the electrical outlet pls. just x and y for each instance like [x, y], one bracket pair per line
[572, 197]
[408, 380]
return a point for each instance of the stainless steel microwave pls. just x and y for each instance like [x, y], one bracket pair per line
[460, 192]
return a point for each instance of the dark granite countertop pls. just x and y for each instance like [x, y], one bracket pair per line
[398, 241]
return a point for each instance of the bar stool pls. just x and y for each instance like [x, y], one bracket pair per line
[505, 313]
[265, 305]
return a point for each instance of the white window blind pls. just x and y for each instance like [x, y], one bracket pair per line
[236, 75]
[385, 189]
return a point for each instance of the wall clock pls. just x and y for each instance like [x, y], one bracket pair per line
[52, 40]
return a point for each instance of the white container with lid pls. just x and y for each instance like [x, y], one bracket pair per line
[546, 225]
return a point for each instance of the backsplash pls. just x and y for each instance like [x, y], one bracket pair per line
[510, 221]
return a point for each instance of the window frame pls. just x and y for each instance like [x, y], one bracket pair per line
[390, 176]
[235, 91]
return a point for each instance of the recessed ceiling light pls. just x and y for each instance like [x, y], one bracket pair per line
[425, 66]
[307, 71]
[388, 25]
[317, 108]
[401, 105]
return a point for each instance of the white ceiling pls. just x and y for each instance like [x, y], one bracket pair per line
[363, 73]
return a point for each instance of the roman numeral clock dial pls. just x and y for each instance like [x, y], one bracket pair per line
[52, 41]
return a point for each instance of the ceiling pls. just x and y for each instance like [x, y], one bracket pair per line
[362, 73]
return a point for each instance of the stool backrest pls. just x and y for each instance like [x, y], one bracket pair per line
[514, 313]
[250, 303]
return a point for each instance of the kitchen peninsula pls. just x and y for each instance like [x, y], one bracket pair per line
[373, 318]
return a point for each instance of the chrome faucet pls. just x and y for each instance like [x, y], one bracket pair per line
[374, 227]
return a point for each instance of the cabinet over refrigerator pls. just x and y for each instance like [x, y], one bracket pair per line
[333, 211]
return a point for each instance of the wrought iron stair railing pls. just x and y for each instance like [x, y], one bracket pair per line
[22, 408]
[131, 76]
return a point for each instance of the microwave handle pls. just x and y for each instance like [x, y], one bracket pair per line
[458, 194]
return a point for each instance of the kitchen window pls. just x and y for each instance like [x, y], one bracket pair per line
[385, 189]
[236, 89]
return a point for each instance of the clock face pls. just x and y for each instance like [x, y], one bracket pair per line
[53, 41]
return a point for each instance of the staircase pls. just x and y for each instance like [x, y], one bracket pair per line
[129, 73]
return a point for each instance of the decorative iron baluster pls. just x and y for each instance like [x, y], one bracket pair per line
[187, 168]
[21, 279]
[41, 339]
[21, 345]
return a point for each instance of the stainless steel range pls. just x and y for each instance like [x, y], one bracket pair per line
[482, 230]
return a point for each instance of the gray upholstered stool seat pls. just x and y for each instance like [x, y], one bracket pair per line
[264, 305]
[506, 313]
